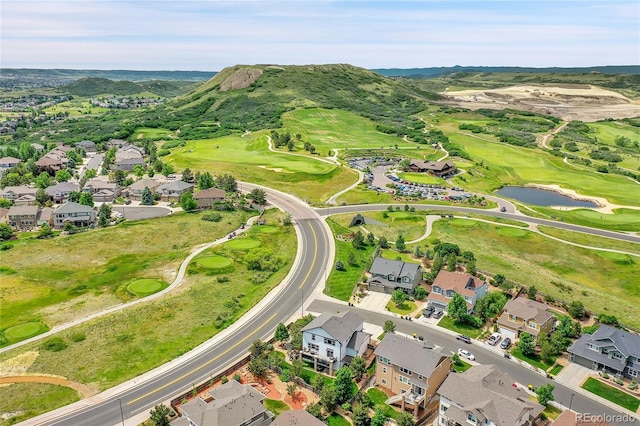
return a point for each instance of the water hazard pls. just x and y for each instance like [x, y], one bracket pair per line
[542, 197]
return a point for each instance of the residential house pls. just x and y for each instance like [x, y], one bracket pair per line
[436, 168]
[608, 349]
[88, 146]
[75, 213]
[297, 418]
[116, 143]
[102, 191]
[172, 191]
[128, 157]
[25, 200]
[23, 217]
[233, 404]
[50, 165]
[60, 192]
[12, 193]
[483, 395]
[136, 188]
[45, 216]
[522, 314]
[332, 341]
[38, 147]
[7, 163]
[208, 197]
[388, 275]
[410, 369]
[448, 283]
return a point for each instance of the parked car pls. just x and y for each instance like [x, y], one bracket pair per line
[466, 354]
[464, 338]
[494, 339]
[506, 343]
[428, 311]
[503, 209]
[438, 314]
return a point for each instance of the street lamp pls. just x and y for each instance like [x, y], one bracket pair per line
[121, 411]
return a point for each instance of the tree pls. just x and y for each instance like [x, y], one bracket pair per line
[167, 169]
[205, 181]
[576, 309]
[147, 197]
[187, 202]
[328, 398]
[74, 196]
[351, 259]
[259, 196]
[400, 244]
[547, 349]
[258, 367]
[187, 175]
[6, 232]
[451, 262]
[498, 280]
[389, 327]
[457, 307]
[90, 173]
[315, 410]
[405, 419]
[282, 334]
[227, 183]
[360, 415]
[63, 175]
[490, 304]
[339, 265]
[358, 241]
[160, 415]
[43, 180]
[297, 367]
[292, 389]
[86, 199]
[420, 293]
[379, 418]
[358, 367]
[104, 214]
[258, 348]
[45, 232]
[436, 266]
[343, 385]
[119, 177]
[532, 292]
[471, 267]
[417, 253]
[138, 170]
[545, 394]
[398, 297]
[5, 203]
[527, 345]
[41, 196]
[317, 383]
[371, 240]
[382, 241]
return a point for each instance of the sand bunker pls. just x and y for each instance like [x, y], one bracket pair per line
[605, 206]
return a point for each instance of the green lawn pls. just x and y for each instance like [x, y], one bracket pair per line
[341, 283]
[276, 406]
[411, 225]
[590, 240]
[379, 397]
[623, 220]
[422, 178]
[447, 322]
[23, 331]
[249, 159]
[461, 366]
[556, 369]
[406, 308]
[336, 419]
[152, 133]
[28, 400]
[612, 394]
[535, 360]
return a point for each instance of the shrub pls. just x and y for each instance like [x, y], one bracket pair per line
[633, 385]
[223, 279]
[78, 337]
[224, 379]
[237, 378]
[605, 375]
[619, 382]
[55, 345]
[420, 293]
[212, 217]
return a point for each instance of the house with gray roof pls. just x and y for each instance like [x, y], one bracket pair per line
[14, 192]
[206, 198]
[23, 217]
[332, 341]
[75, 213]
[60, 192]
[7, 163]
[233, 404]
[608, 349]
[411, 369]
[101, 190]
[483, 395]
[388, 275]
[172, 191]
[297, 418]
[88, 146]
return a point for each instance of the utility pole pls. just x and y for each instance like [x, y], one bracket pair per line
[121, 412]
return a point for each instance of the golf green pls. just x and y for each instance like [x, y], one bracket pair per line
[215, 262]
[267, 229]
[401, 215]
[512, 232]
[24, 331]
[243, 244]
[145, 286]
[463, 222]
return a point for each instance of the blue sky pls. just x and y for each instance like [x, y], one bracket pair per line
[210, 35]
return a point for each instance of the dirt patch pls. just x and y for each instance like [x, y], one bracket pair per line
[569, 102]
[84, 390]
[273, 169]
[18, 365]
[240, 79]
[298, 402]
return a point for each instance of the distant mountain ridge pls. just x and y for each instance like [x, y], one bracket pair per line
[130, 75]
[91, 86]
[439, 71]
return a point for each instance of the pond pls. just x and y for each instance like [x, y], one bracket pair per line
[542, 197]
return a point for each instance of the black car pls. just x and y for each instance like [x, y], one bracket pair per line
[428, 311]
[505, 343]
[463, 338]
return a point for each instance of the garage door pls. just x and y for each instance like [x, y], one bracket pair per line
[507, 333]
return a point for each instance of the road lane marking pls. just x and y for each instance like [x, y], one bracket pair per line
[315, 241]
[205, 364]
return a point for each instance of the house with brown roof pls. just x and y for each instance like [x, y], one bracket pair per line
[25, 200]
[14, 192]
[208, 197]
[50, 165]
[483, 395]
[297, 418]
[102, 191]
[7, 163]
[45, 216]
[233, 404]
[571, 418]
[522, 314]
[136, 188]
[436, 168]
[448, 283]
[23, 217]
[411, 369]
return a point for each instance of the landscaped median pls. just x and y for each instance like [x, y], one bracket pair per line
[612, 394]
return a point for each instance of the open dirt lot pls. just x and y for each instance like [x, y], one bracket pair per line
[569, 102]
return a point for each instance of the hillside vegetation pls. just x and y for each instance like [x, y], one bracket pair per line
[91, 86]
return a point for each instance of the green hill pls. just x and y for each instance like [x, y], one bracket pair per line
[255, 97]
[92, 86]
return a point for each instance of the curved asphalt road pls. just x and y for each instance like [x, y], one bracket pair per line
[308, 273]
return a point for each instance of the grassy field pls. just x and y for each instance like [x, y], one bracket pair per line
[603, 281]
[379, 397]
[590, 240]
[328, 129]
[341, 283]
[447, 322]
[612, 394]
[411, 225]
[249, 159]
[31, 399]
[131, 342]
[536, 361]
[607, 131]
[625, 220]
[67, 277]
[152, 133]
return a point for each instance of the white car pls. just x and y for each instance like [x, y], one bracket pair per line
[494, 339]
[466, 354]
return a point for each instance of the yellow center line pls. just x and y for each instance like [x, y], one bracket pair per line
[315, 241]
[248, 336]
